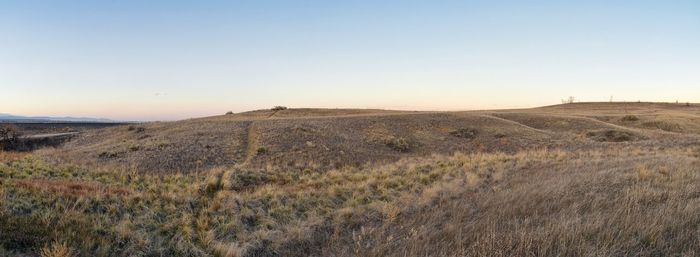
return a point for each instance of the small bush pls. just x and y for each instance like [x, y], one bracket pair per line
[630, 118]
[108, 155]
[468, 133]
[136, 129]
[279, 108]
[261, 150]
[57, 250]
[229, 113]
[10, 137]
[400, 144]
[247, 179]
[611, 136]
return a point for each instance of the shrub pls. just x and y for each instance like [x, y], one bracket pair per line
[247, 179]
[10, 137]
[618, 136]
[261, 150]
[136, 129]
[630, 118]
[279, 108]
[108, 155]
[229, 113]
[400, 144]
[56, 250]
[468, 133]
[611, 136]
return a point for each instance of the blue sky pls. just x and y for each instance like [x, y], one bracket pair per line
[164, 60]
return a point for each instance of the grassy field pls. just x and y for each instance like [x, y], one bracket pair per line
[594, 179]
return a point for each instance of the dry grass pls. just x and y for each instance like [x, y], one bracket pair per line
[328, 138]
[610, 202]
[56, 249]
[528, 184]
[596, 206]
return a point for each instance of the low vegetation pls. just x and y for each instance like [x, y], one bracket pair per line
[611, 135]
[582, 187]
[468, 133]
[629, 118]
[663, 125]
[534, 203]
[10, 137]
[279, 108]
[400, 144]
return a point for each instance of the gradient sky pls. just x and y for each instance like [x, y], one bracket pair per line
[164, 60]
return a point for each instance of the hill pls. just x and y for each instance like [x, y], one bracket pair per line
[332, 138]
[589, 179]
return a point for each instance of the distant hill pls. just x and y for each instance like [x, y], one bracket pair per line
[331, 138]
[15, 118]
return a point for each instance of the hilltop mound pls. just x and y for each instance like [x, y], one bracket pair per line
[301, 142]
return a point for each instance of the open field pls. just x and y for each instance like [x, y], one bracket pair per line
[34, 128]
[589, 179]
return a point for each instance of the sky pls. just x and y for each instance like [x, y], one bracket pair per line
[169, 60]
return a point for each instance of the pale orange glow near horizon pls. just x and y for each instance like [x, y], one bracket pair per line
[178, 60]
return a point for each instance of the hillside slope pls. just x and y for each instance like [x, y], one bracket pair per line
[569, 180]
[332, 138]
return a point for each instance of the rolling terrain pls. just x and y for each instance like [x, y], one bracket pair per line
[584, 179]
[332, 138]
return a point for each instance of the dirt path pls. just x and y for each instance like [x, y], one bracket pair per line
[251, 142]
[40, 136]
[517, 124]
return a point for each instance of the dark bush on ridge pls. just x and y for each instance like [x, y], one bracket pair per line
[279, 108]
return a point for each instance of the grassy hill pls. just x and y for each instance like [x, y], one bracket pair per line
[332, 138]
[589, 179]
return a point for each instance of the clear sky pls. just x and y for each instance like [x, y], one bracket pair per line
[163, 60]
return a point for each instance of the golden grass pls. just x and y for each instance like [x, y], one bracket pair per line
[536, 183]
[608, 202]
[327, 138]
[56, 249]
[11, 156]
